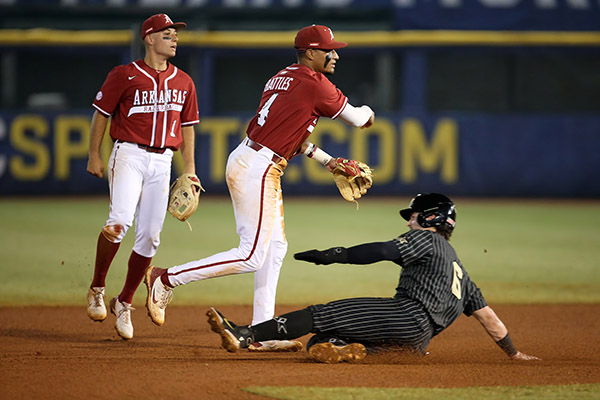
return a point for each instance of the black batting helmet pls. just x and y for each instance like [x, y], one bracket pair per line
[428, 204]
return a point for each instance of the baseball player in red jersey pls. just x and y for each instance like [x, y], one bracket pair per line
[153, 107]
[292, 102]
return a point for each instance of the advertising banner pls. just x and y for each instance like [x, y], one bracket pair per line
[474, 155]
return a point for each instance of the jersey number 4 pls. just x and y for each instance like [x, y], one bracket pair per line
[264, 111]
[456, 280]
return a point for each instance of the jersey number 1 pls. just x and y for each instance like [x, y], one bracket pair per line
[456, 285]
[264, 111]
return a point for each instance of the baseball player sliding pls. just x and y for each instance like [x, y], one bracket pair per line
[153, 108]
[292, 102]
[434, 289]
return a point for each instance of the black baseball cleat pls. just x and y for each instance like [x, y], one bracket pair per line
[233, 337]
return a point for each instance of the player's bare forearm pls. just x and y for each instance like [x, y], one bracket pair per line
[187, 149]
[491, 323]
[497, 330]
[95, 165]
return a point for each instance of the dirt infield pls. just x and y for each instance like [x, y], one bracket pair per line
[58, 353]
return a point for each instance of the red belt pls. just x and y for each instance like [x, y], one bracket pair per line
[257, 146]
[159, 150]
[152, 149]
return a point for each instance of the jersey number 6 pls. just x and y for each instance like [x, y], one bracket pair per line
[456, 286]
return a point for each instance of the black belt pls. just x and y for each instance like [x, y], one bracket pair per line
[159, 150]
[257, 146]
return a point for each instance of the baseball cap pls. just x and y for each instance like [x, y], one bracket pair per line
[317, 37]
[159, 22]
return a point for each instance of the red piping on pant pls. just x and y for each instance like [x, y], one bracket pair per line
[262, 196]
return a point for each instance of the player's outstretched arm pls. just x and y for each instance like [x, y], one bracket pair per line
[497, 330]
[362, 254]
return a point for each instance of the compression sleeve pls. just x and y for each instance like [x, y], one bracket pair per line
[373, 252]
[356, 116]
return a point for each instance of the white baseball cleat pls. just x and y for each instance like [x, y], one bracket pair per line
[123, 325]
[159, 295]
[276, 346]
[96, 309]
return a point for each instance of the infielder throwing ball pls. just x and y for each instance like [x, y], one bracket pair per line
[153, 108]
[434, 289]
[292, 102]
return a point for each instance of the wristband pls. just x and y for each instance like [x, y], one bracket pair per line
[312, 151]
[507, 346]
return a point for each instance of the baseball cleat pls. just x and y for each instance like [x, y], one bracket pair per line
[276, 346]
[123, 325]
[233, 337]
[159, 295]
[96, 309]
[331, 354]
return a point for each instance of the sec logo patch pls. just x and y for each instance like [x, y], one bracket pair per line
[99, 96]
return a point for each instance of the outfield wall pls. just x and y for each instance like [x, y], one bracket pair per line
[474, 98]
[532, 156]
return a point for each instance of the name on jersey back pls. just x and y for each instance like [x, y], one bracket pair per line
[278, 83]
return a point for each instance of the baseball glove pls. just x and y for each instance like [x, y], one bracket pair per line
[184, 196]
[353, 178]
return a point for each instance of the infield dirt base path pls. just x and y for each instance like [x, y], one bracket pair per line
[58, 353]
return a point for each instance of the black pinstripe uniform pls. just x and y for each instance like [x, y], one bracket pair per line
[433, 290]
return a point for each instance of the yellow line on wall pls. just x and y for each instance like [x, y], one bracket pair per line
[284, 39]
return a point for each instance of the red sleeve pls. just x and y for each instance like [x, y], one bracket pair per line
[329, 100]
[109, 96]
[189, 113]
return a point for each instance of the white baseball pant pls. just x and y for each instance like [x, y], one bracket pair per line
[254, 182]
[139, 188]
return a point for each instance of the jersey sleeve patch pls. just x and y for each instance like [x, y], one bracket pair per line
[414, 246]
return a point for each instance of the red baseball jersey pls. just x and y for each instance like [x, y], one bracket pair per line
[148, 107]
[291, 104]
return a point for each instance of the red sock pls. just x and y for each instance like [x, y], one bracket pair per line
[105, 252]
[135, 273]
[164, 278]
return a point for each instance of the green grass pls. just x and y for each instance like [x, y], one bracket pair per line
[516, 252]
[566, 392]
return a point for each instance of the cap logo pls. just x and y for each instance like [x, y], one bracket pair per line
[330, 33]
[168, 20]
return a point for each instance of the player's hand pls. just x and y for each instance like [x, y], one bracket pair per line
[95, 166]
[524, 357]
[313, 256]
[369, 122]
[331, 164]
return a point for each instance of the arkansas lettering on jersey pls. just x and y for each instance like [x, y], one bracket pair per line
[291, 104]
[148, 107]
